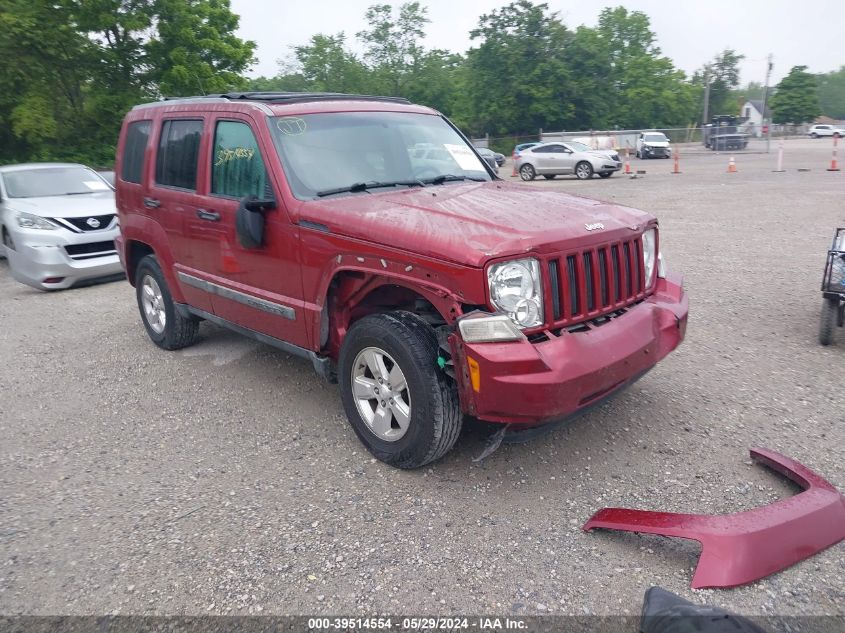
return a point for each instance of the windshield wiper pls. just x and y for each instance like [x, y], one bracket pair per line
[77, 193]
[439, 180]
[364, 186]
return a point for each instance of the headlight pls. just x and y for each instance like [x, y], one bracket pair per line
[661, 266]
[29, 221]
[515, 289]
[649, 255]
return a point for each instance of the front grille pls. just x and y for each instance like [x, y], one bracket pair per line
[80, 225]
[90, 250]
[595, 281]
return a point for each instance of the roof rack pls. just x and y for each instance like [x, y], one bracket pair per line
[292, 97]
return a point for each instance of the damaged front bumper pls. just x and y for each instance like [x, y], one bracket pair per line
[527, 384]
[746, 546]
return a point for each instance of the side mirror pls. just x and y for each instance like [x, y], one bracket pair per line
[249, 221]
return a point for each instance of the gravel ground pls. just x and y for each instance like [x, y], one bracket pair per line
[224, 479]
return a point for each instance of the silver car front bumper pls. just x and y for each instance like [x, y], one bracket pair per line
[53, 260]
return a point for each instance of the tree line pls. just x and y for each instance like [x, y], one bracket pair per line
[79, 65]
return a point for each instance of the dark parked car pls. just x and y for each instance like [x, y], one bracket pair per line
[490, 157]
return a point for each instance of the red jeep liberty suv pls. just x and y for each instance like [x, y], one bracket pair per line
[367, 235]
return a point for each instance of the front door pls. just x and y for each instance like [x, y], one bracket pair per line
[257, 288]
[566, 159]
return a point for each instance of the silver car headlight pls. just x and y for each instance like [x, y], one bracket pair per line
[649, 255]
[29, 221]
[516, 290]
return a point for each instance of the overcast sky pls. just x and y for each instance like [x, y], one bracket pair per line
[808, 32]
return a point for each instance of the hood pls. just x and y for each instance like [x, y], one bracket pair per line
[77, 206]
[656, 143]
[470, 223]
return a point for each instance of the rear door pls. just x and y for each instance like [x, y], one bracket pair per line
[259, 288]
[540, 158]
[172, 198]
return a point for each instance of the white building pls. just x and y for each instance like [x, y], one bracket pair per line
[753, 112]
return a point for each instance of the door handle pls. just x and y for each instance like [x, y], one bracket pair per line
[211, 216]
[152, 203]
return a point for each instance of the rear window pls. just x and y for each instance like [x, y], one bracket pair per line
[178, 152]
[133, 152]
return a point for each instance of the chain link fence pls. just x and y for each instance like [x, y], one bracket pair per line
[739, 138]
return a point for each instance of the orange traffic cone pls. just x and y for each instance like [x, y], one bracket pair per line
[677, 169]
[513, 172]
[732, 166]
[833, 165]
[627, 161]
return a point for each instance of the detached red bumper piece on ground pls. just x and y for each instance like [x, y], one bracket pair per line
[746, 546]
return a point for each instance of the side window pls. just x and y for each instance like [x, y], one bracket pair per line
[237, 169]
[541, 150]
[137, 135]
[178, 152]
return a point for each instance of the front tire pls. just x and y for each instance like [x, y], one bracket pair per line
[165, 326]
[527, 173]
[400, 404]
[583, 170]
[830, 315]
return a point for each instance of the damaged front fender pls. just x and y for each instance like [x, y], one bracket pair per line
[743, 547]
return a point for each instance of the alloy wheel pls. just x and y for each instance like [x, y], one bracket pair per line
[153, 304]
[381, 394]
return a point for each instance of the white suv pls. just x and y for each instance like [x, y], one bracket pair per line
[825, 130]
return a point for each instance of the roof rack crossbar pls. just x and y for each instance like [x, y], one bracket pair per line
[292, 97]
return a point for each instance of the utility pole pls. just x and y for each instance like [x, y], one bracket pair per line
[765, 100]
[706, 97]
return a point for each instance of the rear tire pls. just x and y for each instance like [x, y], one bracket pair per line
[583, 170]
[527, 173]
[428, 406]
[814, 135]
[165, 326]
[830, 316]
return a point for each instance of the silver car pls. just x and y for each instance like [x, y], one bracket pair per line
[561, 159]
[58, 224]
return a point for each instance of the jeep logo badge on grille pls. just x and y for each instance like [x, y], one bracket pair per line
[595, 226]
[94, 223]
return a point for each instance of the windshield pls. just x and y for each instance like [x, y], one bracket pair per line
[655, 138]
[52, 181]
[579, 147]
[329, 153]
